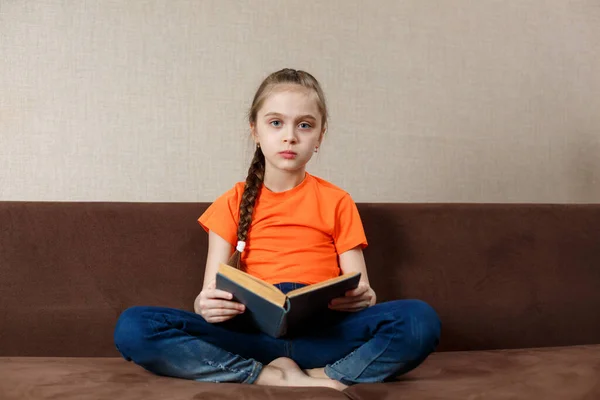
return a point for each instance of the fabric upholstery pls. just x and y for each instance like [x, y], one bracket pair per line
[501, 276]
[551, 374]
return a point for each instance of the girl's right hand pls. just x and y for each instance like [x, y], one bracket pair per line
[214, 305]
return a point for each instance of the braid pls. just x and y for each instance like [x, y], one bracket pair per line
[254, 180]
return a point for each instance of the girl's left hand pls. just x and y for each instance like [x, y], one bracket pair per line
[355, 300]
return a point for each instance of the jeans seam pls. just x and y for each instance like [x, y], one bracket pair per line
[332, 366]
[253, 375]
[221, 367]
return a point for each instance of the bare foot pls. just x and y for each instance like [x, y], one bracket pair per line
[285, 372]
[317, 373]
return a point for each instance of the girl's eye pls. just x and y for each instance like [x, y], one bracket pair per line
[303, 125]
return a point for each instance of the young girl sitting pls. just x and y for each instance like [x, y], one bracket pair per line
[291, 229]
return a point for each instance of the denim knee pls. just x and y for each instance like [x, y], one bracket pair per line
[130, 331]
[423, 327]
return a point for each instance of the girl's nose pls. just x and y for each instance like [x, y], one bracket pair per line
[289, 136]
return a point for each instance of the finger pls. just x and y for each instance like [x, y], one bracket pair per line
[362, 288]
[348, 300]
[216, 320]
[218, 294]
[222, 312]
[216, 304]
[350, 305]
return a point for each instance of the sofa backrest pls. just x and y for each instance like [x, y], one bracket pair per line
[500, 276]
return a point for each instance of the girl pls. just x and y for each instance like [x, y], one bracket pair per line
[289, 228]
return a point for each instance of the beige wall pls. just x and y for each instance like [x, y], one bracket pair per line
[431, 101]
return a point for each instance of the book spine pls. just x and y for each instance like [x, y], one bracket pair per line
[265, 315]
[283, 323]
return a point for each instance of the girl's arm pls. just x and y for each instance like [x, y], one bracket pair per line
[219, 251]
[363, 296]
[212, 304]
[354, 261]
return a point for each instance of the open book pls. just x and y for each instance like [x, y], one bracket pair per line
[271, 310]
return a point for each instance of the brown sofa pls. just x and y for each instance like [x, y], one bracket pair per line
[517, 287]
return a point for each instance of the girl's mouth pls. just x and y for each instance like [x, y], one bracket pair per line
[287, 154]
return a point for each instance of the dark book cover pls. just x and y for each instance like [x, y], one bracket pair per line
[276, 321]
[307, 304]
[267, 316]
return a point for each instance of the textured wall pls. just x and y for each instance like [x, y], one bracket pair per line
[468, 101]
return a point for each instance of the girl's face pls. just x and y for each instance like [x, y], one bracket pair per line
[288, 127]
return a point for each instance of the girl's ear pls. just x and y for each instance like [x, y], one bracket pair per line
[322, 134]
[253, 132]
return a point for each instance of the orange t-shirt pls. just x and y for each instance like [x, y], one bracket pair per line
[296, 235]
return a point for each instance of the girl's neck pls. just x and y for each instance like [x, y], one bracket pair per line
[280, 181]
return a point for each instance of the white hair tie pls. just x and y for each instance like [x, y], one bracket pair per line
[241, 245]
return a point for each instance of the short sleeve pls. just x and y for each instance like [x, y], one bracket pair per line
[222, 217]
[348, 232]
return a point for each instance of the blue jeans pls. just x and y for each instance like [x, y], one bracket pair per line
[372, 345]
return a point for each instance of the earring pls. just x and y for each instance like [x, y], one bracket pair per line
[316, 149]
[258, 145]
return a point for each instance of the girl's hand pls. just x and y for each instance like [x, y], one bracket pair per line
[214, 305]
[355, 300]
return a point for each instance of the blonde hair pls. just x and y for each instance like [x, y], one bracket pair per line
[256, 172]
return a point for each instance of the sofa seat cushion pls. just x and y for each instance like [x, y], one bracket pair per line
[547, 373]
[565, 373]
[74, 378]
